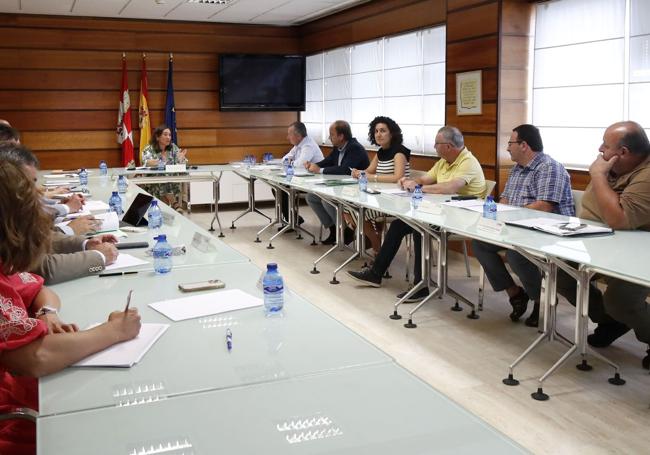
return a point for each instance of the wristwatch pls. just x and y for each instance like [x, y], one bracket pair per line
[46, 310]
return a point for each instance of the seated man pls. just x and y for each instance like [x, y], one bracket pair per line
[69, 257]
[536, 182]
[618, 195]
[305, 149]
[457, 172]
[346, 153]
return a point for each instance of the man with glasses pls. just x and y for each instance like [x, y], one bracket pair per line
[346, 153]
[536, 182]
[457, 172]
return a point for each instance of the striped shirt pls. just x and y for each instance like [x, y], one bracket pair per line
[543, 179]
[386, 160]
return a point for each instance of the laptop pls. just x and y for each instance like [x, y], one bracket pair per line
[134, 216]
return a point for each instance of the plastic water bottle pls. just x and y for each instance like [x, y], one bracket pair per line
[115, 203]
[162, 255]
[273, 290]
[363, 182]
[122, 184]
[161, 164]
[416, 198]
[83, 180]
[154, 216]
[103, 168]
[490, 208]
[285, 165]
[290, 172]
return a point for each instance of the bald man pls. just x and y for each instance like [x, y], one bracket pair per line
[619, 196]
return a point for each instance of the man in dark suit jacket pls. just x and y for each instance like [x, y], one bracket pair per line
[346, 153]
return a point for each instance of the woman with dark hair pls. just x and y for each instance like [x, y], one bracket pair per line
[390, 163]
[33, 341]
[161, 148]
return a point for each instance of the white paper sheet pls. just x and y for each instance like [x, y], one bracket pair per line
[110, 221]
[394, 191]
[96, 206]
[128, 353]
[125, 260]
[467, 203]
[196, 306]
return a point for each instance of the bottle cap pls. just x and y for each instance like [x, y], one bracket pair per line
[154, 202]
[161, 237]
[114, 193]
[271, 266]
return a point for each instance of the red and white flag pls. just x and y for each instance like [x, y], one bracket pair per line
[124, 130]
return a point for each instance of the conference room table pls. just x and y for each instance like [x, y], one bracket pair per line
[304, 368]
[580, 256]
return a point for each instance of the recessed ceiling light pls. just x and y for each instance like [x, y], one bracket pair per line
[210, 2]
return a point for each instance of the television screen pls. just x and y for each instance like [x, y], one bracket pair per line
[261, 82]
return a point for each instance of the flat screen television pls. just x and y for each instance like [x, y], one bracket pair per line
[251, 82]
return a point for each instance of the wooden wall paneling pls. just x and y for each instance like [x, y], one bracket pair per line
[473, 44]
[60, 85]
[479, 21]
[453, 5]
[484, 123]
[370, 21]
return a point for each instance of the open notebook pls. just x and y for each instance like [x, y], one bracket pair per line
[562, 228]
[127, 353]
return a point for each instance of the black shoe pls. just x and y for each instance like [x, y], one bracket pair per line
[533, 319]
[301, 220]
[417, 297]
[519, 305]
[645, 363]
[367, 277]
[605, 334]
[348, 235]
[331, 239]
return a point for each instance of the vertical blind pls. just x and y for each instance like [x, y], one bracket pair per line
[402, 77]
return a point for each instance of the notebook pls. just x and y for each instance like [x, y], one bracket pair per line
[127, 353]
[570, 228]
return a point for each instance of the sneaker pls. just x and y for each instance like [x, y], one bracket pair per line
[417, 297]
[519, 305]
[605, 334]
[367, 277]
[533, 319]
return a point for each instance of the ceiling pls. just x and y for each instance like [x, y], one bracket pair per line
[271, 12]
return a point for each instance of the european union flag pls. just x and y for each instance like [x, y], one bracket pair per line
[170, 108]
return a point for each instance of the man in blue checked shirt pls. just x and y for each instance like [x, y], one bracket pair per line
[536, 182]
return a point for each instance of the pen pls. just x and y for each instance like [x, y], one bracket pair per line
[229, 340]
[101, 275]
[128, 302]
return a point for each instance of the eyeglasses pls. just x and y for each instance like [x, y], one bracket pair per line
[436, 144]
[514, 142]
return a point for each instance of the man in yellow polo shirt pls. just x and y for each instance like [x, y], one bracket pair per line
[457, 172]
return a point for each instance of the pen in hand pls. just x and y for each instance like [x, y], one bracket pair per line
[229, 340]
[128, 302]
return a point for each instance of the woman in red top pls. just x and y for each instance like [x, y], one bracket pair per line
[33, 341]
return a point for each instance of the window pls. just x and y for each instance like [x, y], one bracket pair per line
[591, 69]
[402, 77]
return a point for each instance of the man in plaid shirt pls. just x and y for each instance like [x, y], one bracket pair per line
[536, 182]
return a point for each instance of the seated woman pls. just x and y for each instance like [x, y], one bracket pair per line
[33, 341]
[162, 148]
[391, 163]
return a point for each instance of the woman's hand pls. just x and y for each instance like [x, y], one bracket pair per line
[55, 325]
[182, 155]
[126, 325]
[355, 173]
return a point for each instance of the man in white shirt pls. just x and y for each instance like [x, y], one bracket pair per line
[304, 150]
